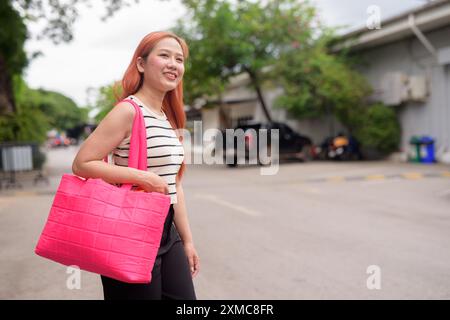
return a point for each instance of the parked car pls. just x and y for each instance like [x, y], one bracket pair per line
[59, 141]
[291, 143]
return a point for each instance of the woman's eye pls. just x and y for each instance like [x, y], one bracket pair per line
[165, 55]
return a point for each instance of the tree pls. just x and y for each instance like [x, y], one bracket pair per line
[27, 123]
[378, 129]
[12, 54]
[37, 111]
[105, 101]
[317, 82]
[280, 42]
[62, 112]
[229, 39]
[59, 16]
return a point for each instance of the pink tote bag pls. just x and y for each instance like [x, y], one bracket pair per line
[105, 229]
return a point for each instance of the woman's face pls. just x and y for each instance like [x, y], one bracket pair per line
[164, 66]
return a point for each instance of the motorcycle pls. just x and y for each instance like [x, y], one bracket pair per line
[339, 147]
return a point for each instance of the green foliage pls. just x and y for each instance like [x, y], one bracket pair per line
[105, 101]
[6, 128]
[57, 18]
[28, 123]
[62, 112]
[316, 82]
[13, 34]
[378, 128]
[37, 112]
[226, 39]
[286, 39]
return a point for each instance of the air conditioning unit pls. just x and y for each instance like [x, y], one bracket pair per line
[397, 87]
[394, 88]
[418, 88]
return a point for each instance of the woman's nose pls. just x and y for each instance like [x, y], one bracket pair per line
[172, 62]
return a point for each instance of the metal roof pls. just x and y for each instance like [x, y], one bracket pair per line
[431, 16]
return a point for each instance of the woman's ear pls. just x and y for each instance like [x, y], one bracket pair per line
[140, 64]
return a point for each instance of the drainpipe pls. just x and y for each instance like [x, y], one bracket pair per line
[421, 36]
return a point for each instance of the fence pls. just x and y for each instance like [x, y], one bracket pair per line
[19, 157]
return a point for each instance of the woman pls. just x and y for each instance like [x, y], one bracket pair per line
[154, 81]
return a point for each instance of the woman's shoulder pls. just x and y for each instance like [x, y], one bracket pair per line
[125, 107]
[121, 117]
[124, 110]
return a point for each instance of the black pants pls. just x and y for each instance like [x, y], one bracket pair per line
[171, 277]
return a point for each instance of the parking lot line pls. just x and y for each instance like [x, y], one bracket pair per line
[376, 177]
[224, 203]
[412, 175]
[336, 179]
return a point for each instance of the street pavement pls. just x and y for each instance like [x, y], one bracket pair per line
[312, 231]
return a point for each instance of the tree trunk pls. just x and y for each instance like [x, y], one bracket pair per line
[255, 83]
[7, 104]
[224, 119]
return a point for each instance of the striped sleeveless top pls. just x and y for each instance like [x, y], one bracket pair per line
[165, 152]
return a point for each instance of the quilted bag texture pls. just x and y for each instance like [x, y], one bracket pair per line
[105, 229]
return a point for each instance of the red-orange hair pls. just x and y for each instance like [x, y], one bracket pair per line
[132, 81]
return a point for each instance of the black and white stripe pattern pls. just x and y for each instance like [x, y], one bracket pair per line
[165, 152]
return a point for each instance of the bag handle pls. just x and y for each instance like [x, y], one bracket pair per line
[137, 157]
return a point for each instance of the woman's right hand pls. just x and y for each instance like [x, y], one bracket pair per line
[151, 182]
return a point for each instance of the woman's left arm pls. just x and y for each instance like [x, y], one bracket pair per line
[182, 224]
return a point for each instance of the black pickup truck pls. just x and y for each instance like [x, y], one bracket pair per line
[291, 144]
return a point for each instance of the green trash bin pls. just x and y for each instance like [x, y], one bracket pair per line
[414, 154]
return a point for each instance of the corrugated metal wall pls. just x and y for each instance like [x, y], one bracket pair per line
[411, 58]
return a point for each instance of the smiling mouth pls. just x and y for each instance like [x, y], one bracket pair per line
[170, 76]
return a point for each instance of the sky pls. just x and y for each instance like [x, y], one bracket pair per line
[101, 51]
